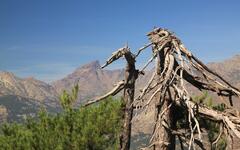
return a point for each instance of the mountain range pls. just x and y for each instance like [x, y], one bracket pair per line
[26, 87]
[92, 80]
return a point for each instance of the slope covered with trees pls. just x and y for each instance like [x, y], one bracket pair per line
[94, 127]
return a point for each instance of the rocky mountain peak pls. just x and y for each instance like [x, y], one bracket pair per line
[90, 67]
[5, 74]
[25, 87]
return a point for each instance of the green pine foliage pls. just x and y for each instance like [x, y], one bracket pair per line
[212, 127]
[94, 127]
[86, 128]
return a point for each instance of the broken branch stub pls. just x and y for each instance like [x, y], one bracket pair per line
[116, 55]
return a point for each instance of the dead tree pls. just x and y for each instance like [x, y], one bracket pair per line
[128, 85]
[176, 66]
[166, 138]
[131, 74]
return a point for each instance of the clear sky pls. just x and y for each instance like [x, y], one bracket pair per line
[48, 39]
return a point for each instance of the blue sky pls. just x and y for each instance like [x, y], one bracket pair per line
[48, 39]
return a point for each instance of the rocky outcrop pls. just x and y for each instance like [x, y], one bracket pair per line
[26, 87]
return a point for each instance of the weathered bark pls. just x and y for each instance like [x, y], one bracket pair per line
[166, 120]
[166, 140]
[131, 75]
[175, 64]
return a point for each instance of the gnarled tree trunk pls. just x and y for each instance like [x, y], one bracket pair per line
[165, 120]
[131, 75]
[166, 140]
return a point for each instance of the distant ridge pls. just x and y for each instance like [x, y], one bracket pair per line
[229, 69]
[26, 87]
[92, 80]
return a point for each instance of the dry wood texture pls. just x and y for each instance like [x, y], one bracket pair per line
[128, 85]
[175, 66]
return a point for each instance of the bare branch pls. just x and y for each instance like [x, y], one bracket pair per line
[116, 55]
[227, 119]
[114, 91]
[219, 136]
[142, 48]
[234, 89]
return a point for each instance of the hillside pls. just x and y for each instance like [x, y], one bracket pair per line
[92, 80]
[26, 87]
[16, 108]
[229, 69]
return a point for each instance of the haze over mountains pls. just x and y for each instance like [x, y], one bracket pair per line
[26, 87]
[92, 80]
[229, 69]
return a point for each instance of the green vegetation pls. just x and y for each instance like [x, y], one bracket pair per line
[210, 126]
[91, 128]
[19, 107]
[88, 128]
